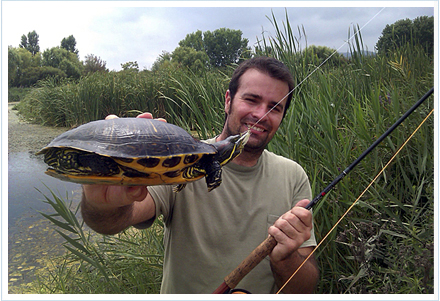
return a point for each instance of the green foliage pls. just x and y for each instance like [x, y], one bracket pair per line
[420, 31]
[93, 63]
[162, 61]
[13, 66]
[17, 94]
[69, 44]
[193, 40]
[32, 75]
[30, 42]
[130, 66]
[190, 58]
[26, 67]
[128, 263]
[19, 60]
[64, 60]
[223, 46]
[322, 54]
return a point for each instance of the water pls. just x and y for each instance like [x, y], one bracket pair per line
[32, 240]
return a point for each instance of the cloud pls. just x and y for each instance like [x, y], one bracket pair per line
[119, 32]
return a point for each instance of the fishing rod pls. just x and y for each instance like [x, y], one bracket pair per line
[259, 253]
[368, 150]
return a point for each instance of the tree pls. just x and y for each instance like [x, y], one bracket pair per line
[92, 63]
[30, 42]
[424, 31]
[223, 46]
[19, 60]
[193, 40]
[130, 66]
[163, 60]
[318, 54]
[32, 75]
[417, 32]
[13, 65]
[69, 44]
[67, 61]
[190, 58]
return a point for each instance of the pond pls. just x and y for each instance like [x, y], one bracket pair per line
[32, 239]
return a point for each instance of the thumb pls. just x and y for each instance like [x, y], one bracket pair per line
[137, 193]
[302, 203]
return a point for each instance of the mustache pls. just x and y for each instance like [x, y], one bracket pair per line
[262, 124]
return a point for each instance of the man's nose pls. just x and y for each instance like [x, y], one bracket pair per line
[260, 111]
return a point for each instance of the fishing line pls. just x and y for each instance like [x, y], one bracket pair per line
[319, 66]
[355, 202]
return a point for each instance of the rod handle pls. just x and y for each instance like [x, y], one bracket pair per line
[253, 259]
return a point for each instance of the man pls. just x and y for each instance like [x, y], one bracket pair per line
[207, 234]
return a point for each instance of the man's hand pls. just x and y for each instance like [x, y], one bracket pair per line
[291, 230]
[105, 197]
[147, 115]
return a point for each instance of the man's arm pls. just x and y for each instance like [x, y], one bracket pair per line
[305, 280]
[111, 209]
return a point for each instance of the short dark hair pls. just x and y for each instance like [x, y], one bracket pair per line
[272, 67]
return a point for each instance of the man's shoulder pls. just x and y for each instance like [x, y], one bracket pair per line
[278, 159]
[280, 163]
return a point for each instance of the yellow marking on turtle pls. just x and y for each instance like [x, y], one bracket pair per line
[245, 138]
[159, 168]
[153, 179]
[153, 127]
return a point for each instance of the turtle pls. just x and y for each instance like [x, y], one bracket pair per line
[138, 151]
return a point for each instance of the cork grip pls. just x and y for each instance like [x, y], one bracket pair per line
[250, 262]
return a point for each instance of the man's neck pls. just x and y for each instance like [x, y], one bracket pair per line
[247, 159]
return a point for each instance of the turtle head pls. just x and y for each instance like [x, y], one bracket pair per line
[231, 147]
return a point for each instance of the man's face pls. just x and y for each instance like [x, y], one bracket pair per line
[257, 94]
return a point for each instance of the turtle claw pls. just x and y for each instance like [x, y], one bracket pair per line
[179, 188]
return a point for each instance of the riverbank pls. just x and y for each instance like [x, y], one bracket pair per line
[27, 137]
[33, 243]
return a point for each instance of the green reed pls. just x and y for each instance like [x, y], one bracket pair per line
[127, 263]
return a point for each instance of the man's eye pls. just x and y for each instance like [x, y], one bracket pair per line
[276, 108]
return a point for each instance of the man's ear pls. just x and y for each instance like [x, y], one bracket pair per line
[227, 101]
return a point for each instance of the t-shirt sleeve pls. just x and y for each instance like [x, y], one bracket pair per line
[163, 197]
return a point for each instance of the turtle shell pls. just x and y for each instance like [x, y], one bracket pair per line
[126, 151]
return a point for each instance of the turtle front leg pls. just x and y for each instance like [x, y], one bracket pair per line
[213, 175]
[179, 188]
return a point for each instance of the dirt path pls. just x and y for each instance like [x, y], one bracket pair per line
[27, 137]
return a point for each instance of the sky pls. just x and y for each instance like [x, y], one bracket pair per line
[119, 32]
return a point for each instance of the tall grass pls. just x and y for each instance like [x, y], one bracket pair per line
[385, 245]
[130, 262]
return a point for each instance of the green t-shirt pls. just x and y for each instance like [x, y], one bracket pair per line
[208, 234]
